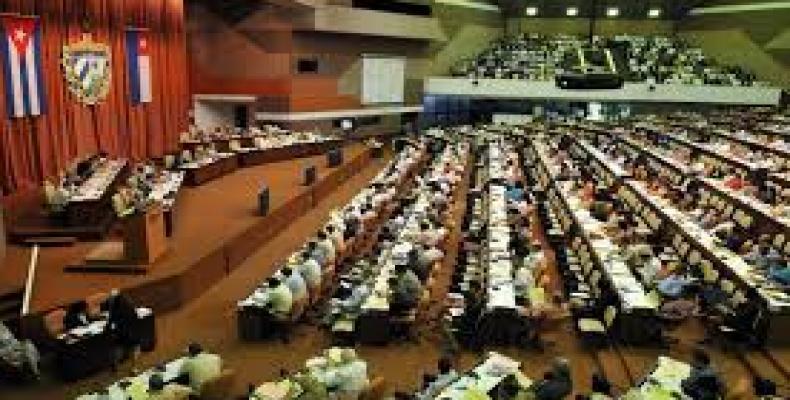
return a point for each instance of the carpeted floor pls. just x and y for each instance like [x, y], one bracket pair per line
[210, 320]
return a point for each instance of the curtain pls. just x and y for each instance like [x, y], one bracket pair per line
[35, 148]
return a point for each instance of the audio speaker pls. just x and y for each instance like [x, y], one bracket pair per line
[334, 158]
[263, 201]
[309, 175]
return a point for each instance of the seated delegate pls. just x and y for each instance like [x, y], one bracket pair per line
[200, 367]
[406, 290]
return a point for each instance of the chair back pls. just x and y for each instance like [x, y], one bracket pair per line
[170, 161]
[694, 257]
[220, 387]
[609, 315]
[537, 296]
[49, 193]
[709, 275]
[53, 322]
[654, 298]
[595, 276]
[727, 286]
[375, 390]
[118, 204]
[779, 240]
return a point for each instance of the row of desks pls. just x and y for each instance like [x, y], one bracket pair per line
[200, 173]
[688, 237]
[759, 212]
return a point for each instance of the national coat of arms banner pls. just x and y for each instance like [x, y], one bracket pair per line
[87, 69]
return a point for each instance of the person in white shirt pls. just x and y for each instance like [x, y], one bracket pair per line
[429, 236]
[352, 375]
[280, 299]
[336, 235]
[325, 246]
[298, 286]
[311, 272]
[446, 376]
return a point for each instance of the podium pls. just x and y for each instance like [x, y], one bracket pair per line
[144, 236]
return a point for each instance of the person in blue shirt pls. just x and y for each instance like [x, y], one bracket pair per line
[781, 273]
[515, 192]
[764, 256]
[673, 285]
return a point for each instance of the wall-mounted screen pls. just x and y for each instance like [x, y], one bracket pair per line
[383, 79]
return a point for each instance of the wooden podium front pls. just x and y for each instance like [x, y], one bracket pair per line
[144, 236]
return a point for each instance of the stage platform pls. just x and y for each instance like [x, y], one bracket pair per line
[217, 228]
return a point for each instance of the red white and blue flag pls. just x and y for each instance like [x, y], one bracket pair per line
[139, 60]
[20, 47]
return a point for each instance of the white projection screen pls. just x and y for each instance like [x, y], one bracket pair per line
[383, 79]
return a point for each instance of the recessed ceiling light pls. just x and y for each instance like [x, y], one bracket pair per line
[654, 13]
[612, 12]
[532, 11]
[572, 11]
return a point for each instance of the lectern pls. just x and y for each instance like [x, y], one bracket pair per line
[144, 236]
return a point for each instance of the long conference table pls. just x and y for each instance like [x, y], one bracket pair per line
[91, 201]
[250, 153]
[87, 214]
[479, 382]
[227, 160]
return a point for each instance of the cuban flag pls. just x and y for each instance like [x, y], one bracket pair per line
[20, 47]
[139, 60]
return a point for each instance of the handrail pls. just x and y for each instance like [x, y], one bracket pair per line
[31, 277]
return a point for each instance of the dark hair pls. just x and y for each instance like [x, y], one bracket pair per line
[425, 225]
[764, 387]
[287, 271]
[78, 307]
[156, 382]
[445, 365]
[427, 379]
[600, 384]
[700, 357]
[273, 282]
[194, 349]
[321, 235]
